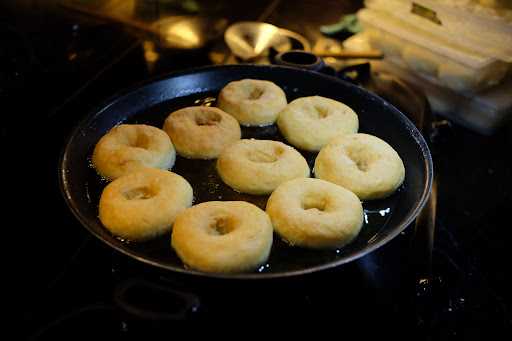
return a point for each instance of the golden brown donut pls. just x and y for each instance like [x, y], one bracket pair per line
[362, 163]
[201, 132]
[143, 204]
[314, 213]
[259, 166]
[223, 236]
[252, 102]
[130, 147]
[310, 122]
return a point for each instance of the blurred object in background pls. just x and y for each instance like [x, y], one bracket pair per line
[249, 40]
[344, 28]
[172, 24]
[140, 13]
[352, 51]
[484, 112]
[188, 32]
[500, 7]
[462, 65]
[330, 45]
[256, 42]
[464, 55]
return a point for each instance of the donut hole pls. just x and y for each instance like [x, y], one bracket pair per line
[140, 141]
[265, 156]
[251, 92]
[207, 118]
[255, 94]
[220, 226]
[362, 164]
[316, 111]
[362, 158]
[321, 112]
[249, 38]
[314, 202]
[139, 193]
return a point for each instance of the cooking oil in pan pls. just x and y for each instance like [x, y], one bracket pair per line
[208, 186]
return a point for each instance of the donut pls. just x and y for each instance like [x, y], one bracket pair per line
[201, 132]
[310, 122]
[143, 204]
[130, 147]
[252, 102]
[222, 236]
[314, 213]
[363, 164]
[259, 166]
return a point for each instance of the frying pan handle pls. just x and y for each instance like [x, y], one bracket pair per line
[156, 302]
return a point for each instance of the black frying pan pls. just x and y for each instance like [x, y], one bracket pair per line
[153, 101]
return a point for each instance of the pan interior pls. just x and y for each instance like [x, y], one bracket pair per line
[82, 186]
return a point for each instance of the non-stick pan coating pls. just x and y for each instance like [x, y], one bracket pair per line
[153, 101]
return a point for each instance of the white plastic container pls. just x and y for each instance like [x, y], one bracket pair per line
[484, 112]
[432, 57]
[484, 26]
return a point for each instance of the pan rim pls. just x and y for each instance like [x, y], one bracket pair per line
[97, 110]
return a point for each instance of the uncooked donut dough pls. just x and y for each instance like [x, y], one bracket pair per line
[315, 213]
[130, 147]
[259, 166]
[143, 205]
[252, 102]
[310, 122]
[201, 132]
[223, 236]
[363, 164]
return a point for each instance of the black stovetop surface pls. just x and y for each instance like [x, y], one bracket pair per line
[58, 65]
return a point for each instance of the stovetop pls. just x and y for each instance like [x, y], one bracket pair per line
[58, 64]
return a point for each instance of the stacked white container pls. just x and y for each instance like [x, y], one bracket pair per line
[458, 51]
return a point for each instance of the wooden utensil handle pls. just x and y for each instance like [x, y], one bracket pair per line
[370, 54]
